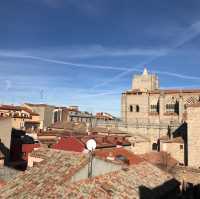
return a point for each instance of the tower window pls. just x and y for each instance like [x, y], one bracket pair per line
[137, 108]
[131, 108]
[154, 108]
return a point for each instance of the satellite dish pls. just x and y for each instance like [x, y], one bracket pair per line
[91, 144]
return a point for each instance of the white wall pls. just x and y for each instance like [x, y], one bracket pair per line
[100, 167]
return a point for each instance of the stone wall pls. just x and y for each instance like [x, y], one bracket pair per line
[193, 116]
[145, 101]
[141, 147]
[176, 150]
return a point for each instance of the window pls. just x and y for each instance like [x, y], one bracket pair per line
[154, 147]
[172, 108]
[154, 108]
[181, 147]
[131, 108]
[137, 108]
[134, 108]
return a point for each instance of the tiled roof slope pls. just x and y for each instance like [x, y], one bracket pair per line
[119, 184]
[47, 178]
[50, 179]
[116, 152]
[160, 159]
[186, 174]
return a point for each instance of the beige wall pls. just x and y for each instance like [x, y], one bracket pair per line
[140, 147]
[18, 123]
[152, 133]
[145, 81]
[5, 131]
[36, 118]
[193, 115]
[145, 92]
[45, 112]
[100, 167]
[145, 100]
[176, 150]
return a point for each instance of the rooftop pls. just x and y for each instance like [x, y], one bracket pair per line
[161, 159]
[7, 173]
[46, 177]
[51, 179]
[186, 174]
[38, 105]
[17, 108]
[120, 184]
[163, 91]
[119, 154]
[166, 139]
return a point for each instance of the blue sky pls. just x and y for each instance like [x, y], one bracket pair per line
[85, 52]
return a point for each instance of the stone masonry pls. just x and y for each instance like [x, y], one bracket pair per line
[193, 115]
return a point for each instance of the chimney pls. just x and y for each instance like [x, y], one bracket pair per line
[110, 156]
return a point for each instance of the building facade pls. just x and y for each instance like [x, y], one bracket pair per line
[147, 103]
[45, 112]
[21, 117]
[72, 114]
[148, 110]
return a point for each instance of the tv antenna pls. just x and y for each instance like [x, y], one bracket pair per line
[91, 146]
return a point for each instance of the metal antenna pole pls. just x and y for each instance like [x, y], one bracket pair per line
[90, 164]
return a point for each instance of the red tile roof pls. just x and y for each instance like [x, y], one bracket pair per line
[69, 144]
[52, 178]
[160, 159]
[123, 184]
[38, 105]
[2, 183]
[17, 108]
[106, 141]
[10, 107]
[164, 91]
[116, 152]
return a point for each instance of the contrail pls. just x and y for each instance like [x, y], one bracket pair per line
[192, 32]
[124, 70]
[176, 75]
[119, 75]
[188, 35]
[64, 62]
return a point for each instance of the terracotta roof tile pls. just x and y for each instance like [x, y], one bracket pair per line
[46, 178]
[164, 91]
[160, 159]
[116, 153]
[119, 184]
[50, 179]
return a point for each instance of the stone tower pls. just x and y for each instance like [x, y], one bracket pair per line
[145, 81]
